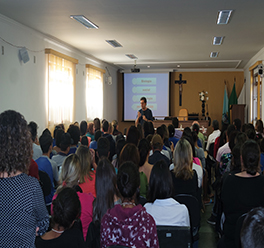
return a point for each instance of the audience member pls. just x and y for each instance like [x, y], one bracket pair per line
[87, 176]
[107, 196]
[69, 177]
[32, 126]
[66, 209]
[74, 131]
[144, 149]
[184, 178]
[216, 133]
[107, 135]
[97, 125]
[136, 225]
[242, 191]
[115, 126]
[162, 207]
[198, 150]
[103, 148]
[65, 143]
[252, 232]
[59, 133]
[90, 133]
[259, 128]
[23, 213]
[84, 141]
[201, 138]
[119, 146]
[157, 145]
[262, 154]
[47, 165]
[237, 124]
[132, 135]
[175, 123]
[172, 138]
[130, 153]
[93, 144]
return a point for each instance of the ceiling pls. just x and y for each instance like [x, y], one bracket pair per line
[162, 34]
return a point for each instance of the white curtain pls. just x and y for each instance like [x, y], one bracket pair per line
[94, 94]
[60, 91]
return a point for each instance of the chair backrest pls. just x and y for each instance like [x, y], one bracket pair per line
[174, 236]
[194, 211]
[239, 224]
[45, 183]
[183, 115]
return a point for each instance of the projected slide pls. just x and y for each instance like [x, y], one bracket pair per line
[154, 86]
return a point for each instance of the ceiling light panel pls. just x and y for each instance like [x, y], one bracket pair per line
[84, 21]
[131, 56]
[114, 43]
[214, 54]
[218, 40]
[223, 16]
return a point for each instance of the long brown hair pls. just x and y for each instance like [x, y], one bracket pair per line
[85, 157]
[183, 159]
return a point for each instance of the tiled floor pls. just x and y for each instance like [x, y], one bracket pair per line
[208, 236]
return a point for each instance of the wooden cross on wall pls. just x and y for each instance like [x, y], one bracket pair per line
[180, 82]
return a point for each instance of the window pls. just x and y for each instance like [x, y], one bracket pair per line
[60, 88]
[94, 92]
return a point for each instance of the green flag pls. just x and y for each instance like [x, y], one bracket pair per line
[232, 98]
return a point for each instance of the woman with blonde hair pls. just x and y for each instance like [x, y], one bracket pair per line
[185, 179]
[69, 177]
[87, 176]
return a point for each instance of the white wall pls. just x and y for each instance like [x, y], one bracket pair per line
[259, 56]
[22, 86]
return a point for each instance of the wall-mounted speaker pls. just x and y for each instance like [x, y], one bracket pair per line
[23, 54]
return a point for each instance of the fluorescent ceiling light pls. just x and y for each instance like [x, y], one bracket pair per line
[131, 56]
[214, 54]
[84, 21]
[223, 16]
[218, 40]
[114, 43]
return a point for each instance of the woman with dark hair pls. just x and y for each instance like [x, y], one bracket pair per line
[22, 208]
[162, 207]
[132, 135]
[199, 151]
[128, 224]
[107, 196]
[87, 176]
[115, 128]
[184, 178]
[66, 209]
[259, 128]
[144, 148]
[130, 153]
[242, 191]
[172, 138]
[119, 146]
[83, 128]
[69, 177]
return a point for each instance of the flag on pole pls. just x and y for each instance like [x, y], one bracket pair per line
[225, 108]
[232, 98]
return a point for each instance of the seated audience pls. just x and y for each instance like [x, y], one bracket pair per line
[184, 178]
[23, 212]
[87, 176]
[201, 138]
[144, 148]
[47, 165]
[65, 143]
[132, 135]
[56, 148]
[115, 126]
[175, 123]
[93, 144]
[167, 146]
[97, 125]
[136, 226]
[162, 207]
[216, 133]
[90, 131]
[66, 209]
[33, 169]
[157, 145]
[140, 131]
[107, 196]
[261, 144]
[259, 129]
[130, 153]
[69, 177]
[199, 151]
[74, 131]
[120, 143]
[172, 138]
[103, 148]
[32, 126]
[252, 232]
[84, 141]
[107, 135]
[237, 124]
[242, 191]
